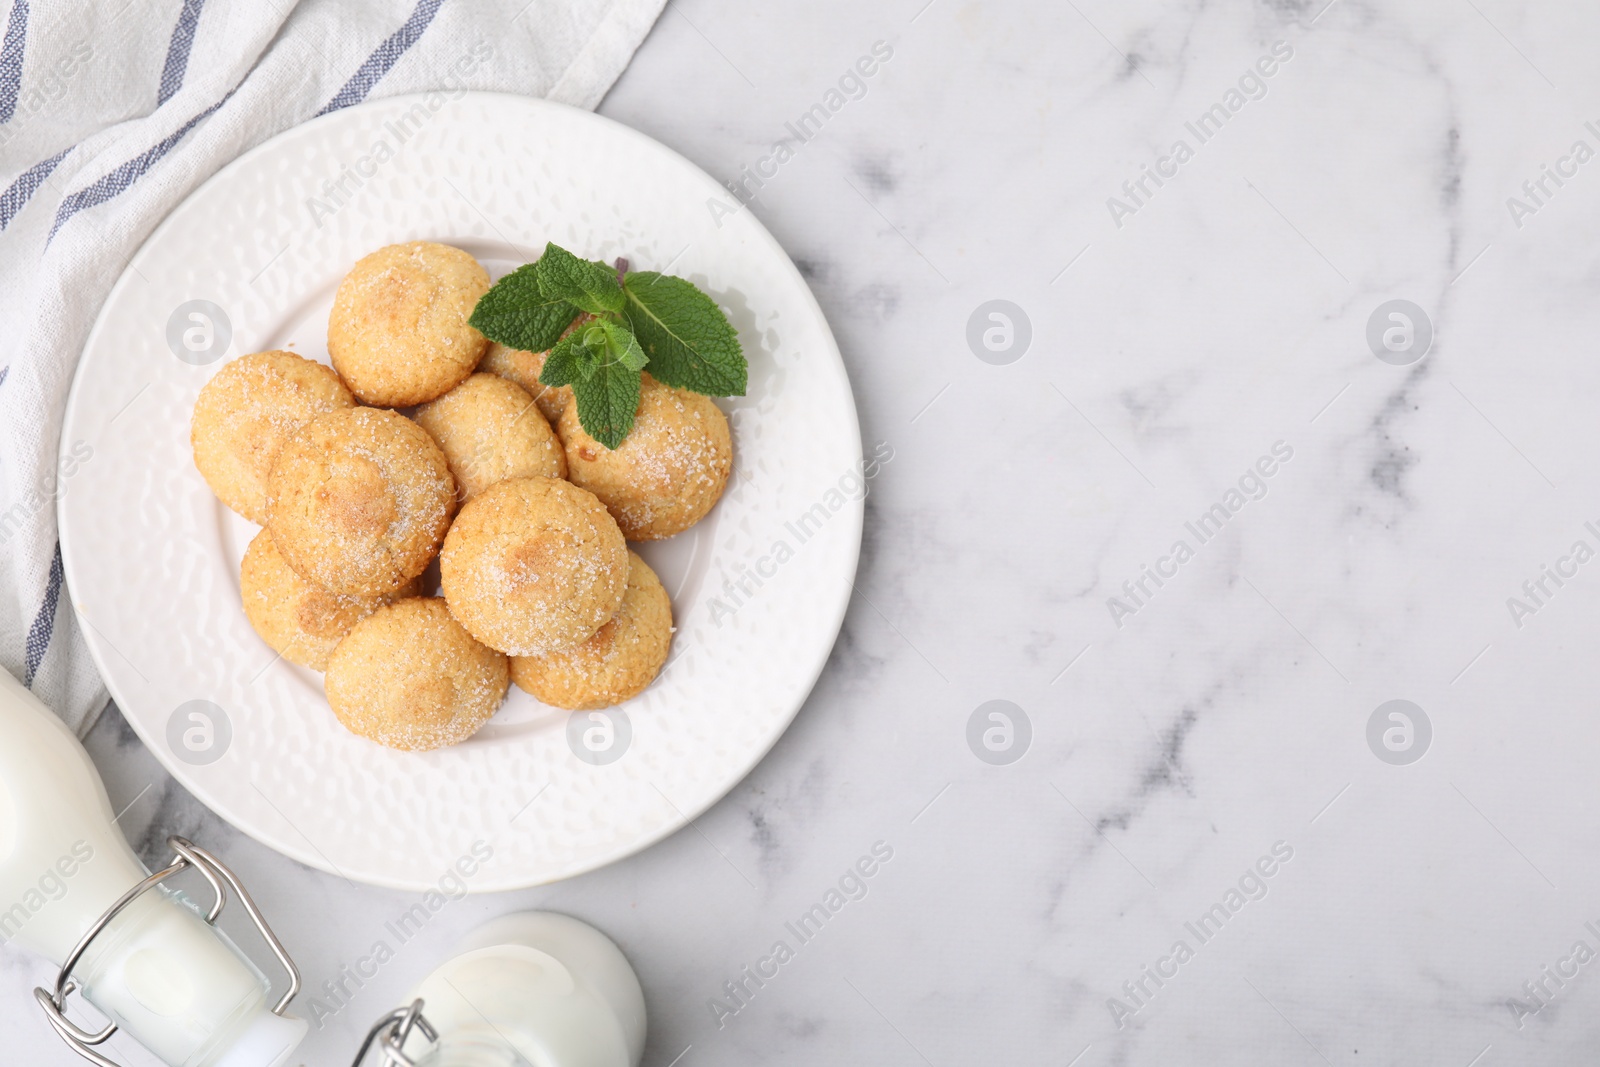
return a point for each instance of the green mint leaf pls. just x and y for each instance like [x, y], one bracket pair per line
[561, 365]
[623, 346]
[608, 401]
[690, 342]
[593, 287]
[589, 361]
[516, 313]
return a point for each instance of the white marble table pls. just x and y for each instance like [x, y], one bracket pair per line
[1206, 728]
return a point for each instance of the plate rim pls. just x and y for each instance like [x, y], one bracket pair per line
[736, 773]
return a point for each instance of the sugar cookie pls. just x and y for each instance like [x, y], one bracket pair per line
[533, 565]
[668, 472]
[409, 677]
[360, 500]
[398, 334]
[617, 663]
[489, 430]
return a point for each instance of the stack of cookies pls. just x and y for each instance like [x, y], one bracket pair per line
[492, 475]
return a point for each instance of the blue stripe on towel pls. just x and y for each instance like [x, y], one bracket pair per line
[44, 623]
[178, 50]
[383, 57]
[11, 50]
[103, 189]
[27, 183]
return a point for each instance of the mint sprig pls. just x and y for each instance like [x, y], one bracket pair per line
[638, 319]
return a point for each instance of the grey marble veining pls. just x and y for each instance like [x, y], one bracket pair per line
[1216, 724]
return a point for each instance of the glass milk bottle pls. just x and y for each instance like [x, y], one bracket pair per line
[72, 890]
[533, 989]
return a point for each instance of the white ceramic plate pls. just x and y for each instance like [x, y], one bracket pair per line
[152, 558]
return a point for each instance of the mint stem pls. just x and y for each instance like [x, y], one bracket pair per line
[622, 268]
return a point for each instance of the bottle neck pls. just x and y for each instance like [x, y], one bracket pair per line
[176, 984]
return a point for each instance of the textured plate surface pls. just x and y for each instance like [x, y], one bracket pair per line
[152, 558]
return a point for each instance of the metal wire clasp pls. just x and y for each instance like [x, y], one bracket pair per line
[186, 855]
[391, 1033]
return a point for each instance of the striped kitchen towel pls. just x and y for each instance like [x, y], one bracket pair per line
[111, 111]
